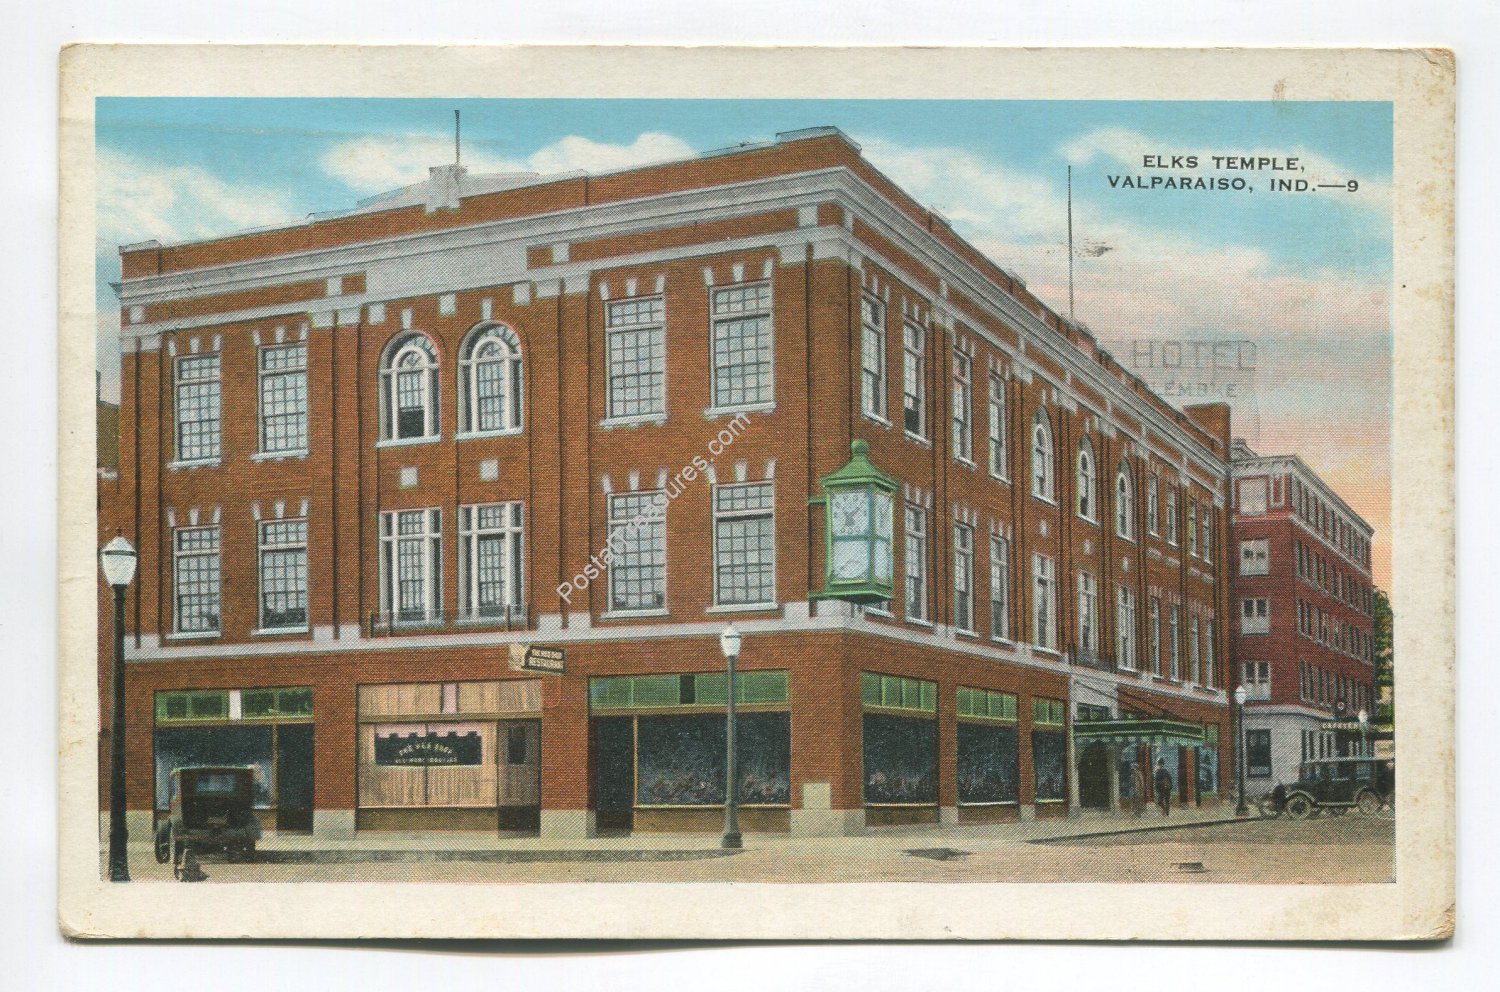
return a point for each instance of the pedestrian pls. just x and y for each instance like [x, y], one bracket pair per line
[1163, 785]
[1138, 773]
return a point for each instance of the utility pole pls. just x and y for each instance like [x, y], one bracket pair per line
[457, 153]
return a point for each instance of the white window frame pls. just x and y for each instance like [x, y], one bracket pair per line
[1088, 613]
[999, 588]
[872, 351]
[1255, 676]
[1083, 483]
[1125, 653]
[1153, 632]
[393, 369]
[503, 349]
[395, 546]
[755, 303]
[1192, 527]
[210, 573]
[914, 379]
[291, 382]
[1255, 615]
[271, 544]
[1043, 481]
[1043, 620]
[202, 393]
[1153, 504]
[1172, 515]
[916, 563]
[652, 518]
[1255, 556]
[1195, 651]
[1210, 662]
[963, 407]
[1124, 503]
[510, 534]
[999, 459]
[963, 578]
[1174, 641]
[723, 517]
[645, 319]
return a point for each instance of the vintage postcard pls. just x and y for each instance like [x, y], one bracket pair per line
[782, 493]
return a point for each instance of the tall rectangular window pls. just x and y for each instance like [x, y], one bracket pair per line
[963, 405]
[1258, 753]
[490, 563]
[1195, 651]
[283, 575]
[1192, 528]
[1044, 632]
[411, 565]
[195, 574]
[914, 379]
[1174, 642]
[1256, 677]
[1172, 515]
[1153, 631]
[999, 588]
[1211, 655]
[872, 356]
[1153, 503]
[635, 335]
[999, 467]
[744, 545]
[1088, 614]
[198, 407]
[638, 537]
[743, 372]
[1255, 557]
[916, 563]
[1125, 628]
[1206, 524]
[1255, 616]
[283, 398]
[963, 577]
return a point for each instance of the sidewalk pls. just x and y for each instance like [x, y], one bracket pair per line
[877, 841]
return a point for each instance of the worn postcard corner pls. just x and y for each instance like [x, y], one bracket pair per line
[531, 494]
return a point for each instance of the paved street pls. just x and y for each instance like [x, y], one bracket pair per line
[1325, 850]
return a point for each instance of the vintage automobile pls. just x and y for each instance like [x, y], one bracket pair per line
[1334, 785]
[212, 809]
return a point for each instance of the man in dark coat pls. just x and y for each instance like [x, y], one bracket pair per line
[1163, 784]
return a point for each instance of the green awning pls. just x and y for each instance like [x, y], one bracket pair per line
[1153, 732]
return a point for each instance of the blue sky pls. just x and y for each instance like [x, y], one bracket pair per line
[1305, 276]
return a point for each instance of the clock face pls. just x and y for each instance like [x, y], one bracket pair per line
[850, 560]
[851, 513]
[883, 565]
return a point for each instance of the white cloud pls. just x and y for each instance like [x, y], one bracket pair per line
[376, 164]
[139, 200]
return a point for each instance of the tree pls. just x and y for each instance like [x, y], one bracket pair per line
[1385, 659]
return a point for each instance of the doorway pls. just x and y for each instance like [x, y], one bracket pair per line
[1093, 777]
[614, 773]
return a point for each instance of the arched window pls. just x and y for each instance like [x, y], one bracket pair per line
[409, 389]
[489, 381]
[1124, 503]
[1041, 457]
[1085, 480]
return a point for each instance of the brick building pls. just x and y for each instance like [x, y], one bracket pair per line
[370, 458]
[1304, 641]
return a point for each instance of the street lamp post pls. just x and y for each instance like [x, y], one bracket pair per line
[117, 559]
[1364, 733]
[729, 643]
[1240, 809]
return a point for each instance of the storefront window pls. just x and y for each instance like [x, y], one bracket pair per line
[900, 760]
[1208, 762]
[223, 745]
[989, 766]
[680, 759]
[1049, 762]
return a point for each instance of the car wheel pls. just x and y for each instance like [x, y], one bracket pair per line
[163, 843]
[1368, 803]
[1267, 807]
[1299, 807]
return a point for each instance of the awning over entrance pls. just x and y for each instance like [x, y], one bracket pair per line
[1153, 732]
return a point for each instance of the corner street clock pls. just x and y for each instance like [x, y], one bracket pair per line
[859, 522]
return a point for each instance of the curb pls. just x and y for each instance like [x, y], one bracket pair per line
[1139, 830]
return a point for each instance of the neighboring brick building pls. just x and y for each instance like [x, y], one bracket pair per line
[1304, 640]
[366, 457]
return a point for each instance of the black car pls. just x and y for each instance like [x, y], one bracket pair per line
[1334, 784]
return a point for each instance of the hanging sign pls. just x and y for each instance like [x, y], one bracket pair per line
[536, 658]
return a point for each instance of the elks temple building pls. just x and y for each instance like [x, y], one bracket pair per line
[1304, 643]
[443, 502]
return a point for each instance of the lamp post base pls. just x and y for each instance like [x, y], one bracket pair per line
[732, 842]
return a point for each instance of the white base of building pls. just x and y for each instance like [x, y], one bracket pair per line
[568, 824]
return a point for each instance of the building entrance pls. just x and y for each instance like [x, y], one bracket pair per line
[1093, 777]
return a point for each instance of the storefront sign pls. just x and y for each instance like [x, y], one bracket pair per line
[432, 748]
[536, 658]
